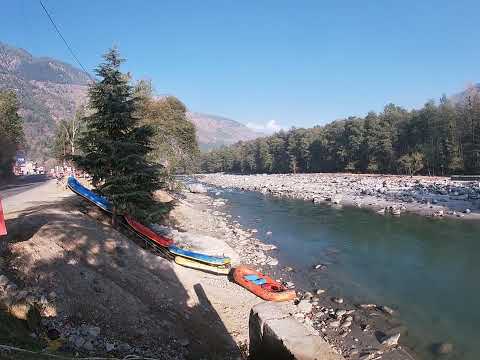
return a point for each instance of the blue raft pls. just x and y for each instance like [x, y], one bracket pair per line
[81, 190]
[213, 260]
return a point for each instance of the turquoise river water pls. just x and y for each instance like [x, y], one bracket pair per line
[427, 269]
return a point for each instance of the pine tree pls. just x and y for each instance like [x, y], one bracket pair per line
[115, 146]
[11, 131]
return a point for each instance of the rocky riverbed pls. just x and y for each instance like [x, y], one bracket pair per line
[357, 331]
[386, 194]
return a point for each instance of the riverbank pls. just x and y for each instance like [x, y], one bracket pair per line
[385, 194]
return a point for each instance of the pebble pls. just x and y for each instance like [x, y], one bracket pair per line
[334, 324]
[304, 306]
[443, 348]
[184, 342]
[391, 340]
[367, 306]
[346, 324]
[320, 291]
[386, 310]
[337, 300]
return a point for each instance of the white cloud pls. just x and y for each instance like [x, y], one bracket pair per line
[269, 127]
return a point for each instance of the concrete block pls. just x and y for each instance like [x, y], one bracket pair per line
[274, 334]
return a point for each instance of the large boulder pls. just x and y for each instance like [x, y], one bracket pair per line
[197, 189]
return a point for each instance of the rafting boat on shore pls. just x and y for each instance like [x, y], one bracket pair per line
[219, 270]
[88, 194]
[148, 233]
[207, 259]
[262, 285]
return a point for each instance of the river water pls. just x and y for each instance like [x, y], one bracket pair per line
[426, 269]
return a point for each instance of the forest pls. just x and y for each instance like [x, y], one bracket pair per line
[438, 139]
[11, 132]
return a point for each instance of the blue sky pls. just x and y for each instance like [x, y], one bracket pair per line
[289, 63]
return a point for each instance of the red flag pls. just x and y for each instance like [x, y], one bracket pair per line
[3, 228]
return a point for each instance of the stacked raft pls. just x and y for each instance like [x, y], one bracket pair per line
[256, 282]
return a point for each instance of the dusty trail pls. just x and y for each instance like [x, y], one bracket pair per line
[104, 293]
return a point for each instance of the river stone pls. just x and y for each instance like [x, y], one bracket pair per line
[386, 309]
[366, 306]
[184, 342]
[308, 295]
[197, 189]
[320, 291]
[443, 348]
[391, 340]
[337, 300]
[334, 324]
[304, 306]
[346, 324]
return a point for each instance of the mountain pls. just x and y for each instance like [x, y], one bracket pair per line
[462, 96]
[48, 90]
[214, 131]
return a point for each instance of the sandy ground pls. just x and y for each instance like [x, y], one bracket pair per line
[103, 293]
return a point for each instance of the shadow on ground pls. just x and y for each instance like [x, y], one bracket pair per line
[102, 278]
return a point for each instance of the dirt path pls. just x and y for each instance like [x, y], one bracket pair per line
[103, 293]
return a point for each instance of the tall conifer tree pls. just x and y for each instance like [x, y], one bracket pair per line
[115, 146]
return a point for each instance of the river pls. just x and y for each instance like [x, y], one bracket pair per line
[426, 269]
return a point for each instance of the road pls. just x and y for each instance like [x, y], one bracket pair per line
[21, 184]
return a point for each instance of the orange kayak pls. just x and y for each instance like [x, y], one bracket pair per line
[262, 285]
[148, 233]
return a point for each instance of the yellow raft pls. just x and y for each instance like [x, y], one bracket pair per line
[219, 270]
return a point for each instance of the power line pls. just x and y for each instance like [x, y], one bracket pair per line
[64, 40]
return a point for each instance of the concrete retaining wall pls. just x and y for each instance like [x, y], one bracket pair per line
[276, 335]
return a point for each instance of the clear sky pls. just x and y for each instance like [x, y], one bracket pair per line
[293, 63]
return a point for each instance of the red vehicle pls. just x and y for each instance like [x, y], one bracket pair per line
[3, 228]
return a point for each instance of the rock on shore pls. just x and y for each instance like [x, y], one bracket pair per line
[387, 194]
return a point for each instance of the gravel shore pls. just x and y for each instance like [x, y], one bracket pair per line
[385, 194]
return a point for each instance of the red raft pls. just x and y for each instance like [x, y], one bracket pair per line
[3, 228]
[262, 285]
[145, 231]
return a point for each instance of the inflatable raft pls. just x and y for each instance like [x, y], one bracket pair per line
[207, 259]
[148, 233]
[262, 285]
[219, 270]
[81, 190]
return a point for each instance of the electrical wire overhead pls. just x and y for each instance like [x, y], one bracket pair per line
[64, 40]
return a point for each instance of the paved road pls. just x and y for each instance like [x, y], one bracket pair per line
[21, 184]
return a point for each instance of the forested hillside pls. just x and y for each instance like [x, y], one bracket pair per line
[48, 91]
[438, 139]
